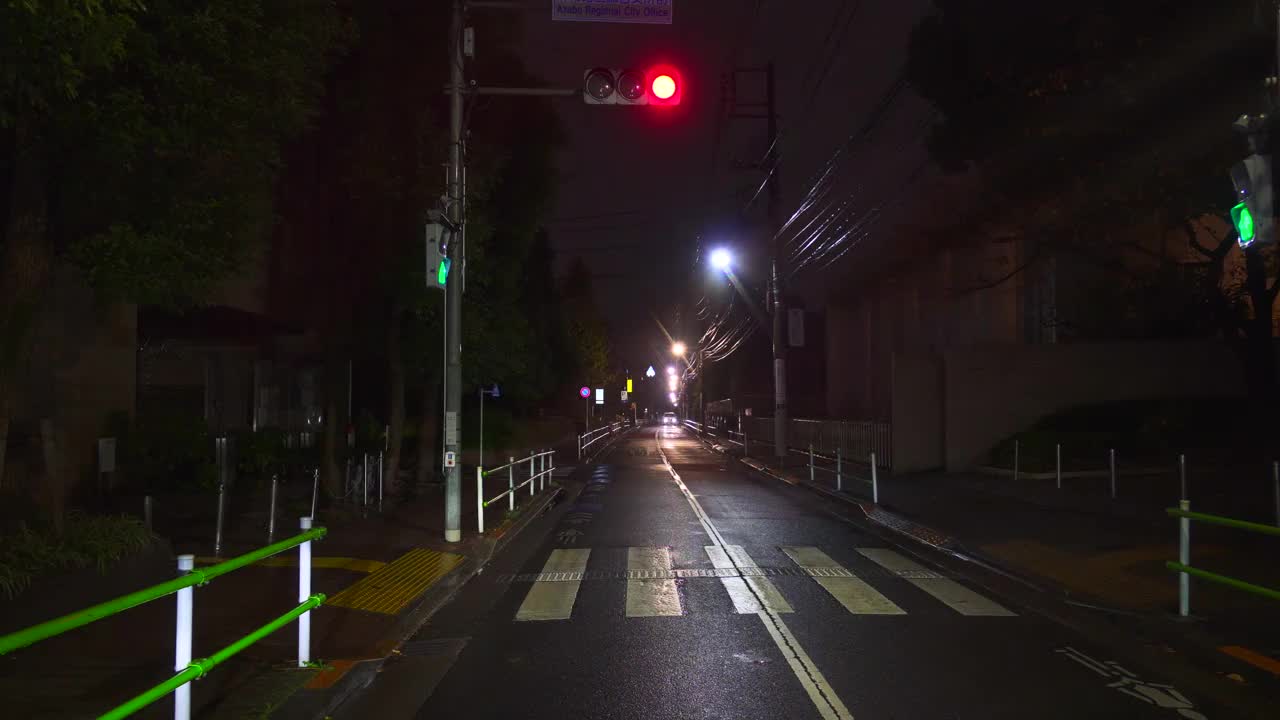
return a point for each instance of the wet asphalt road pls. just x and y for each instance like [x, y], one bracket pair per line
[830, 624]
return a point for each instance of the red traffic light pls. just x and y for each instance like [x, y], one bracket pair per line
[665, 86]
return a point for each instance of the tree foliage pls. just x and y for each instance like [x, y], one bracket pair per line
[164, 125]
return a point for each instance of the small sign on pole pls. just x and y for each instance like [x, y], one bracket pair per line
[584, 392]
[450, 459]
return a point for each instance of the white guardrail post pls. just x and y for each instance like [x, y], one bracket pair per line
[511, 483]
[810, 462]
[533, 472]
[875, 481]
[182, 641]
[480, 500]
[304, 592]
[839, 473]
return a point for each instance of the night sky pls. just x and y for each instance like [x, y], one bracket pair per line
[669, 167]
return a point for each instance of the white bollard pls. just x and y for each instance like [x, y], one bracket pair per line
[532, 472]
[304, 592]
[1182, 476]
[810, 462]
[875, 481]
[480, 500]
[182, 641]
[839, 475]
[222, 507]
[511, 483]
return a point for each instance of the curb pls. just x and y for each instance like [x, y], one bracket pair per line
[354, 676]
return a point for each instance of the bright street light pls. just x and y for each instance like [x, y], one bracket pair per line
[721, 259]
[678, 348]
[672, 397]
[671, 369]
[672, 382]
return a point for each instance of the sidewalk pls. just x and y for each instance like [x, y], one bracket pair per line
[1095, 551]
[383, 574]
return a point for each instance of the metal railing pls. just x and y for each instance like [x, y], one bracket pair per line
[1184, 568]
[586, 440]
[854, 438]
[540, 465]
[824, 463]
[189, 669]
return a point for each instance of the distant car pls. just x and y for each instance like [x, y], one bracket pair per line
[669, 419]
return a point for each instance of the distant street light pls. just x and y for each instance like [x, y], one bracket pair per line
[678, 349]
[671, 369]
[721, 259]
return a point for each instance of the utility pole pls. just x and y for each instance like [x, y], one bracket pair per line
[453, 290]
[779, 278]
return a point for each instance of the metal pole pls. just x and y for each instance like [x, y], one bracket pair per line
[364, 479]
[511, 483]
[453, 319]
[182, 641]
[1182, 476]
[304, 592]
[777, 274]
[379, 481]
[1057, 463]
[315, 490]
[217, 532]
[146, 512]
[480, 500]
[481, 427]
[532, 473]
[1275, 485]
[1111, 458]
[810, 462]
[542, 472]
[839, 475]
[271, 512]
[1184, 557]
[875, 481]
[1017, 446]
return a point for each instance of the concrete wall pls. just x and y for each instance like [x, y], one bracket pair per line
[918, 437]
[81, 371]
[992, 392]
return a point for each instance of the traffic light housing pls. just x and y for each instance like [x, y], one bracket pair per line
[437, 250]
[659, 85]
[1253, 215]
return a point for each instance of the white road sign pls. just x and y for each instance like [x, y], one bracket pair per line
[652, 12]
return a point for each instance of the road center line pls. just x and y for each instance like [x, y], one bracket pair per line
[811, 679]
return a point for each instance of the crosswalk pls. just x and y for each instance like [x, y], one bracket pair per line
[652, 589]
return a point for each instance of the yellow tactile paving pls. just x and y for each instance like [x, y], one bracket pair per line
[388, 589]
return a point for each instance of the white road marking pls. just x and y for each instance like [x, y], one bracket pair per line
[551, 600]
[824, 698]
[854, 593]
[752, 593]
[953, 594]
[651, 598]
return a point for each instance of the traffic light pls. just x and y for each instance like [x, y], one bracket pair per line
[438, 262]
[1253, 214]
[659, 85]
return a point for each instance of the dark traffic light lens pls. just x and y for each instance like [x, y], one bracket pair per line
[600, 84]
[631, 85]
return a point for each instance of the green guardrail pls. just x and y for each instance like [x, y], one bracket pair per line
[1186, 571]
[199, 668]
[194, 577]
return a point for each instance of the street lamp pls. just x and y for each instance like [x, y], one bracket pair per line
[721, 259]
[678, 349]
[671, 369]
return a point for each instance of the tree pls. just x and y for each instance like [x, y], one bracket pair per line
[141, 141]
[1100, 128]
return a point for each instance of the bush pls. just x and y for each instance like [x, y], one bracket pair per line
[168, 451]
[87, 540]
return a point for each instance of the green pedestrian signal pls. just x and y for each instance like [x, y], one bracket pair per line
[1243, 220]
[437, 252]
